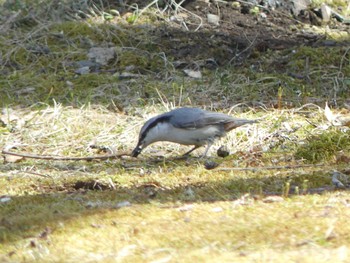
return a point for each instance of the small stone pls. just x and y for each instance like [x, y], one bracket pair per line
[213, 19]
[223, 152]
[263, 15]
[128, 75]
[193, 74]
[82, 70]
[209, 165]
[185, 208]
[189, 192]
[123, 204]
[335, 179]
[5, 199]
[25, 91]
[299, 5]
[273, 199]
[101, 55]
[86, 63]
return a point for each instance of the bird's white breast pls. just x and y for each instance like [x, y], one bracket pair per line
[167, 132]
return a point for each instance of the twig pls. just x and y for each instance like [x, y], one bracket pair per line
[269, 167]
[38, 174]
[64, 158]
[244, 50]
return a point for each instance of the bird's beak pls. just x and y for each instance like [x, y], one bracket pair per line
[136, 151]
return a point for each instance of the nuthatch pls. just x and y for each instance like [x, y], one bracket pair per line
[187, 126]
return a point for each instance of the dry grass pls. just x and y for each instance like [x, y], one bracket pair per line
[60, 130]
[165, 210]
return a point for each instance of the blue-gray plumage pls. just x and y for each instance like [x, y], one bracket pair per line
[187, 126]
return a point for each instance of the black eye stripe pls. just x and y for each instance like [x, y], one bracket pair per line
[152, 125]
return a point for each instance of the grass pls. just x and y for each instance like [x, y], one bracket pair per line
[271, 200]
[88, 225]
[152, 208]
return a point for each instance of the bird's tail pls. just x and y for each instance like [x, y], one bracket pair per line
[237, 123]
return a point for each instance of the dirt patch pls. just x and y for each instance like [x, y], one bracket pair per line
[239, 34]
[151, 45]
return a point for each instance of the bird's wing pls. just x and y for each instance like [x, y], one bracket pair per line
[197, 118]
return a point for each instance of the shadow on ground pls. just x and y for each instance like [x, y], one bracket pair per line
[47, 202]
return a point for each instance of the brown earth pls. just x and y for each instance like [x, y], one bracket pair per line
[239, 35]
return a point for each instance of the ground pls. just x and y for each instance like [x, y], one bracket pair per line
[277, 197]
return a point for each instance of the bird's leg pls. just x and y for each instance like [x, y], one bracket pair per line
[206, 150]
[194, 148]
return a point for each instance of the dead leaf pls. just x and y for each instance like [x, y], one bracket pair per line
[336, 119]
[329, 114]
[273, 199]
[344, 120]
[193, 74]
[12, 158]
[342, 158]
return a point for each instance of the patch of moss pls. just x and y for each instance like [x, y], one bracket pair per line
[324, 146]
[77, 29]
[328, 57]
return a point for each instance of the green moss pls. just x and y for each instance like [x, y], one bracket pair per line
[310, 57]
[76, 29]
[324, 146]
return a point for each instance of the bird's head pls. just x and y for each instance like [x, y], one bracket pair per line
[150, 133]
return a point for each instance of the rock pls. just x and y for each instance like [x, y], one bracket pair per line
[123, 204]
[213, 19]
[223, 152]
[39, 49]
[185, 208]
[128, 75]
[263, 15]
[82, 70]
[86, 66]
[5, 199]
[87, 63]
[299, 5]
[210, 165]
[25, 91]
[193, 74]
[335, 179]
[326, 12]
[189, 192]
[101, 55]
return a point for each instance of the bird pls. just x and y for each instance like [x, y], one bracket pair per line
[187, 126]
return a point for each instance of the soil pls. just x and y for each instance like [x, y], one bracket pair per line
[249, 40]
[239, 34]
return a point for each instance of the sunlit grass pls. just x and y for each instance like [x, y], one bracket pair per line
[154, 208]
